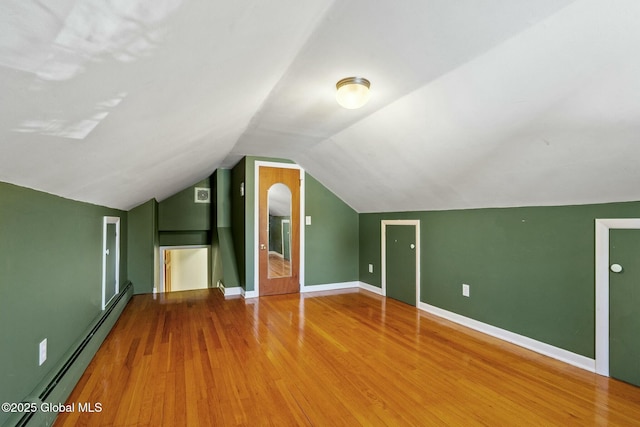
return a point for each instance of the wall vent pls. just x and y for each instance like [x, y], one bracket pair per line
[202, 195]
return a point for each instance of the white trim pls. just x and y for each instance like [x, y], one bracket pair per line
[161, 250]
[330, 286]
[367, 287]
[248, 294]
[517, 339]
[110, 220]
[256, 221]
[235, 290]
[383, 235]
[602, 286]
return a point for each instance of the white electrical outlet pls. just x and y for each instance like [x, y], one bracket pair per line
[370, 268]
[43, 352]
[465, 290]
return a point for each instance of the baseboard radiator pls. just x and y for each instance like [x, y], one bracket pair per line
[56, 388]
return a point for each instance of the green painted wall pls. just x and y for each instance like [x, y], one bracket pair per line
[331, 249]
[50, 281]
[369, 247]
[143, 245]
[184, 238]
[230, 276]
[216, 255]
[182, 221]
[331, 241]
[531, 269]
[223, 197]
[238, 222]
[180, 212]
[216, 260]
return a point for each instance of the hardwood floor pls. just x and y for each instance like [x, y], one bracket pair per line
[340, 358]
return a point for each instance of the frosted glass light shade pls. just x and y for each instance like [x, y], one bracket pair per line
[353, 92]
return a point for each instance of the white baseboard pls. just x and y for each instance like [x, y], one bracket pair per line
[313, 288]
[248, 294]
[557, 353]
[370, 288]
[236, 290]
[329, 287]
[520, 340]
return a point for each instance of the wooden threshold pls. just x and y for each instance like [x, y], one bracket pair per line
[332, 358]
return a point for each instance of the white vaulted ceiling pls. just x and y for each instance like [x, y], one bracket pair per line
[475, 103]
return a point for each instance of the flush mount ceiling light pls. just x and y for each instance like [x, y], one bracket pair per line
[353, 92]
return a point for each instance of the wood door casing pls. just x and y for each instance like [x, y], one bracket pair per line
[269, 176]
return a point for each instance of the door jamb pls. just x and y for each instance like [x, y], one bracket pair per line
[602, 227]
[110, 220]
[256, 222]
[383, 244]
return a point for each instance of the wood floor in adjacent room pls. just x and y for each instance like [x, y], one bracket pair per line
[327, 359]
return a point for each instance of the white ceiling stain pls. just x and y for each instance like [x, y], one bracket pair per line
[475, 103]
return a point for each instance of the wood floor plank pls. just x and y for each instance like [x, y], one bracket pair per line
[337, 358]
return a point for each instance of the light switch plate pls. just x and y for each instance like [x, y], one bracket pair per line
[370, 268]
[307, 220]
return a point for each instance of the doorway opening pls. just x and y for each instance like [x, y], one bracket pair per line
[185, 268]
[110, 259]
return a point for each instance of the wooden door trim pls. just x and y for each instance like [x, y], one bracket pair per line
[602, 285]
[256, 225]
[383, 244]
